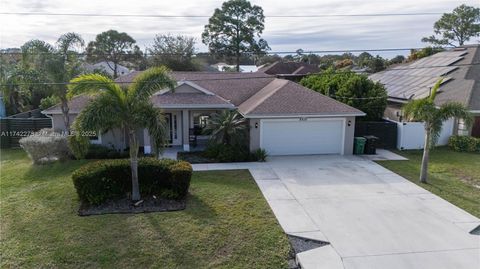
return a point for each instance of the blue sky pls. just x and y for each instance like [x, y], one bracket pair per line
[283, 34]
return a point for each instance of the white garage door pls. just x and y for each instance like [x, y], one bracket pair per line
[296, 137]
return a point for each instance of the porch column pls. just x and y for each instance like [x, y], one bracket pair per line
[147, 148]
[185, 130]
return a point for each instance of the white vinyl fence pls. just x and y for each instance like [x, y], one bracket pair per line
[411, 135]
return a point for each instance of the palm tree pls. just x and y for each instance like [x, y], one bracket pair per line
[127, 108]
[226, 126]
[59, 63]
[426, 111]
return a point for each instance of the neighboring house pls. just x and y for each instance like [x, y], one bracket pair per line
[108, 67]
[460, 68]
[284, 117]
[294, 71]
[222, 67]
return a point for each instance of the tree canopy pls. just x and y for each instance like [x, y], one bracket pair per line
[456, 28]
[352, 89]
[235, 29]
[113, 47]
[174, 52]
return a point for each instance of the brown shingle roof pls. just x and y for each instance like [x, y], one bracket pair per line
[293, 68]
[291, 98]
[76, 104]
[179, 99]
[252, 94]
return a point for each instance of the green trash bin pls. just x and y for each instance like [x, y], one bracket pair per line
[359, 146]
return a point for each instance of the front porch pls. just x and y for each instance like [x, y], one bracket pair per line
[185, 131]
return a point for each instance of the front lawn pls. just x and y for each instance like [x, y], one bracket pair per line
[454, 176]
[227, 224]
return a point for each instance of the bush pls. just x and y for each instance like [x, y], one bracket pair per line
[464, 143]
[45, 146]
[48, 101]
[105, 180]
[227, 153]
[260, 155]
[79, 146]
[103, 152]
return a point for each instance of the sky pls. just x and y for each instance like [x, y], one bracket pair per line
[282, 34]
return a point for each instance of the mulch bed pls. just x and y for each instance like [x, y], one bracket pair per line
[125, 206]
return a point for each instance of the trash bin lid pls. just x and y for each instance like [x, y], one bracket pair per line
[360, 138]
[370, 137]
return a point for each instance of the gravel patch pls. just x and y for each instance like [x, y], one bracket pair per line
[301, 244]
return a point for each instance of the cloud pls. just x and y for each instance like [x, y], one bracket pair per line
[327, 33]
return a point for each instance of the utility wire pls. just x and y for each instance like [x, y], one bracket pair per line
[208, 16]
[243, 53]
[233, 76]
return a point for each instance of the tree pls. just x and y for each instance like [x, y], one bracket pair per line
[226, 127]
[59, 63]
[456, 28]
[426, 110]
[113, 47]
[174, 52]
[235, 29]
[128, 108]
[397, 60]
[352, 89]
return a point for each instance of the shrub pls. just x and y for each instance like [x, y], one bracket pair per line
[105, 180]
[227, 153]
[45, 146]
[260, 155]
[464, 143]
[103, 152]
[79, 146]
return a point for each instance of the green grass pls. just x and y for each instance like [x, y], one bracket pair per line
[227, 224]
[454, 176]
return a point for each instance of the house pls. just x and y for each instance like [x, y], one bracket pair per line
[460, 69]
[294, 71]
[223, 67]
[106, 66]
[284, 117]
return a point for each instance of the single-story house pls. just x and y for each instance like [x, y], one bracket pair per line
[106, 66]
[294, 71]
[460, 68]
[284, 117]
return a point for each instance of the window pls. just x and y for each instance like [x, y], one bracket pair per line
[96, 139]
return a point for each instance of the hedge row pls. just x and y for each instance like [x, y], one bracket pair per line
[105, 180]
[464, 143]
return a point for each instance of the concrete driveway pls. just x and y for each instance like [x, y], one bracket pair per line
[371, 217]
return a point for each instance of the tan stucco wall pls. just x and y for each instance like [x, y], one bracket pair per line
[115, 137]
[348, 142]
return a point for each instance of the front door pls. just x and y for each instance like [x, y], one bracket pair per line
[168, 119]
[476, 127]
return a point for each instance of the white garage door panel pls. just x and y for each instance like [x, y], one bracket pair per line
[313, 136]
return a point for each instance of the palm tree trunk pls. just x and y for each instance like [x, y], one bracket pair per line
[134, 163]
[426, 155]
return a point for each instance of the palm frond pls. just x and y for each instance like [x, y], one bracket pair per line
[94, 84]
[102, 113]
[149, 82]
[154, 121]
[455, 110]
[435, 88]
